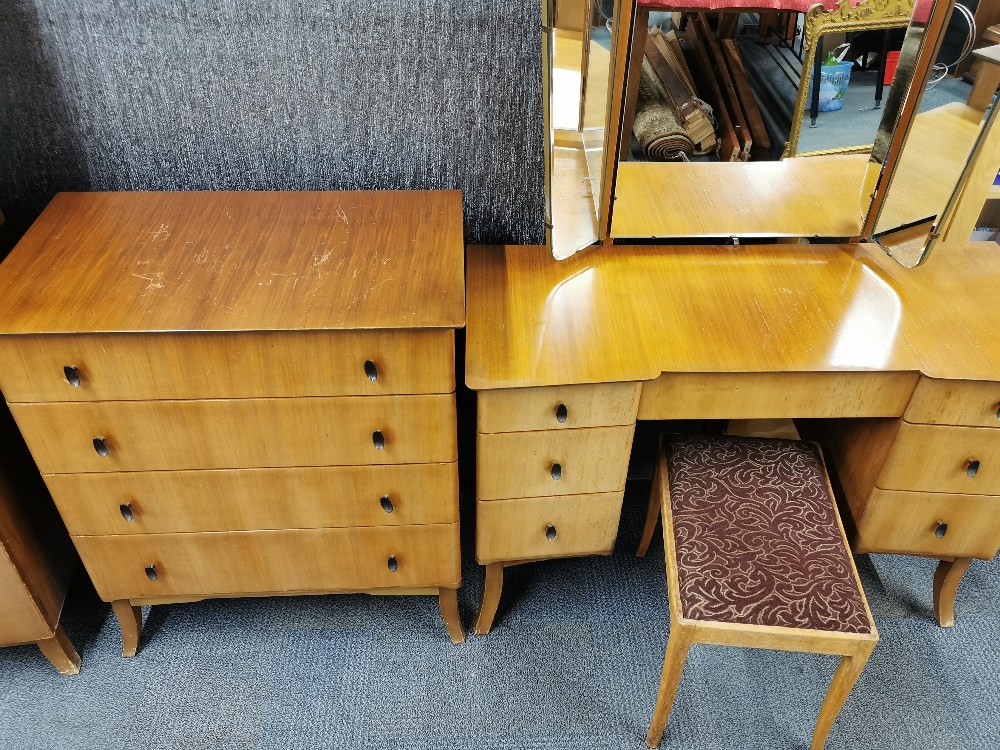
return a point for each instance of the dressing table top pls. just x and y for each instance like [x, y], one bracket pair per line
[617, 314]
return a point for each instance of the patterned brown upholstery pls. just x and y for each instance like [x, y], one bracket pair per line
[756, 535]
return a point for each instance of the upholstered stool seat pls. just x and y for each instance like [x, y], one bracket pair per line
[756, 556]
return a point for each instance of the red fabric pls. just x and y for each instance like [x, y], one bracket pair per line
[799, 6]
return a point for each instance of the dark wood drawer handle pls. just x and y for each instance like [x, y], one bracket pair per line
[557, 471]
[998, 411]
[393, 565]
[151, 573]
[101, 446]
[561, 413]
[972, 468]
[550, 532]
[126, 511]
[940, 529]
[72, 373]
[386, 502]
[378, 440]
[371, 370]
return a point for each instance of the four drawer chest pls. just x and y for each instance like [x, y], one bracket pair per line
[243, 394]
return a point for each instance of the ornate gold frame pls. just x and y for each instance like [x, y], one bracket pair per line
[869, 15]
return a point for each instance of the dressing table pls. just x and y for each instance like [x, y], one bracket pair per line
[895, 371]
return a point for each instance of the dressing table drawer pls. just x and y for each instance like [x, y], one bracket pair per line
[151, 566]
[557, 462]
[557, 407]
[975, 403]
[933, 524]
[105, 436]
[128, 367]
[534, 528]
[246, 499]
[962, 460]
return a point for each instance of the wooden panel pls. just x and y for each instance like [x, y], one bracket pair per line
[21, 620]
[240, 261]
[248, 562]
[239, 365]
[776, 395]
[247, 499]
[520, 464]
[935, 459]
[238, 434]
[517, 410]
[515, 529]
[907, 522]
[956, 402]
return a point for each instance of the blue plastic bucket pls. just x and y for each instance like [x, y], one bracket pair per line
[833, 82]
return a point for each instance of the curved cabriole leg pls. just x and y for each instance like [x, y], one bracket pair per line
[491, 598]
[678, 645]
[448, 601]
[948, 575]
[652, 514]
[130, 621]
[60, 652]
[843, 682]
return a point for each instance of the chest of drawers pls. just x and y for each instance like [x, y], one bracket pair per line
[234, 394]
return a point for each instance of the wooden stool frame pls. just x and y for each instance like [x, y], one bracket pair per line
[854, 648]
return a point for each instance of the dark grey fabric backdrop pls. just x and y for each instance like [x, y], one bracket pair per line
[275, 95]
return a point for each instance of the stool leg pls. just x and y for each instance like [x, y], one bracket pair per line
[843, 682]
[948, 575]
[678, 645]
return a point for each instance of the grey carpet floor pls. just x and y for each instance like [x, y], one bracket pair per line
[573, 662]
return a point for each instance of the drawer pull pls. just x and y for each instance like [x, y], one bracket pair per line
[386, 503]
[557, 471]
[550, 532]
[371, 370]
[998, 411]
[940, 529]
[101, 446]
[393, 565]
[151, 573]
[561, 413]
[72, 373]
[126, 511]
[972, 468]
[378, 440]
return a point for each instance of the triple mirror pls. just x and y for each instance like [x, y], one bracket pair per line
[832, 122]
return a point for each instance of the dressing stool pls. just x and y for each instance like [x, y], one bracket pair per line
[756, 557]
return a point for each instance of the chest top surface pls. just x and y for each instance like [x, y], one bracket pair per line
[237, 261]
[631, 313]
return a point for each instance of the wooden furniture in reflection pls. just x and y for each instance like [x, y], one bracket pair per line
[988, 77]
[557, 352]
[234, 394]
[727, 503]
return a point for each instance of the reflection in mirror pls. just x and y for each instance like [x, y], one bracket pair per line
[930, 179]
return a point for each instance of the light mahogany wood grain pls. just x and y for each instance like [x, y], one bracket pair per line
[238, 434]
[215, 365]
[934, 459]
[520, 409]
[775, 395]
[296, 560]
[520, 464]
[788, 198]
[515, 529]
[905, 522]
[955, 402]
[246, 499]
[190, 261]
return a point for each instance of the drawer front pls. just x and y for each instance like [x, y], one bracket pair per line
[557, 407]
[238, 434]
[563, 462]
[271, 562]
[960, 460]
[162, 502]
[131, 367]
[924, 523]
[955, 402]
[531, 528]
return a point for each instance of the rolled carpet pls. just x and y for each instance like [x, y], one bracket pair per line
[656, 125]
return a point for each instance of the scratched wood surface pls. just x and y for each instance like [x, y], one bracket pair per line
[186, 261]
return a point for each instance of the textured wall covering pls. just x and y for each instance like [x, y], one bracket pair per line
[275, 94]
